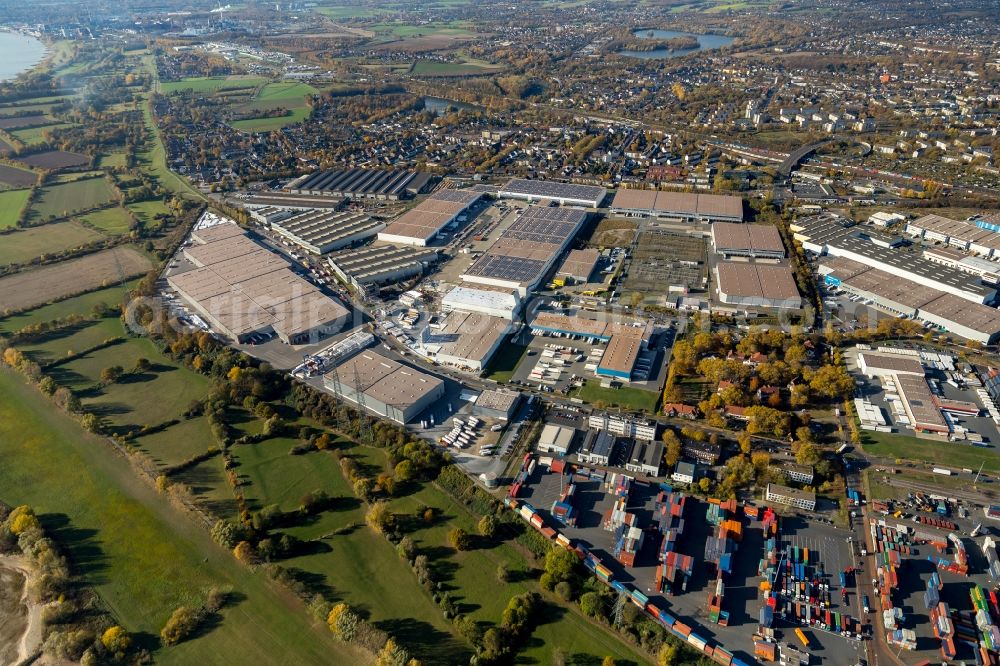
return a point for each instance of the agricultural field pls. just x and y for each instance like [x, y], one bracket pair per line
[207, 85]
[286, 95]
[82, 304]
[32, 135]
[16, 178]
[23, 246]
[141, 555]
[114, 220]
[11, 202]
[56, 159]
[61, 199]
[16, 122]
[38, 286]
[435, 68]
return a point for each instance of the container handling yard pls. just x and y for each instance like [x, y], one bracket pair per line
[735, 581]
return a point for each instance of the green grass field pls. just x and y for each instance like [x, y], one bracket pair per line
[23, 246]
[59, 344]
[207, 85]
[285, 94]
[162, 393]
[505, 362]
[141, 555]
[58, 200]
[276, 477]
[113, 221]
[627, 397]
[111, 160]
[403, 30]
[179, 442]
[33, 135]
[10, 205]
[147, 211]
[77, 305]
[889, 445]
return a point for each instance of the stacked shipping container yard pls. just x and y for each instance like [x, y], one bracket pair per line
[621, 488]
[674, 568]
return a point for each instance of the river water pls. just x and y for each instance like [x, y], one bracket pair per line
[18, 53]
[705, 43]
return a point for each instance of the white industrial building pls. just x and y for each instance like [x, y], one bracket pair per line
[956, 233]
[824, 236]
[623, 426]
[502, 303]
[555, 439]
[801, 499]
[440, 211]
[466, 340]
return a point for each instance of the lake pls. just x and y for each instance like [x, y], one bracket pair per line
[705, 43]
[18, 53]
[439, 105]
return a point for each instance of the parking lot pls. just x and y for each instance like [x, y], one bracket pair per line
[742, 596]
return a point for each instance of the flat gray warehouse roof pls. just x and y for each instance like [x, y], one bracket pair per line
[728, 237]
[385, 380]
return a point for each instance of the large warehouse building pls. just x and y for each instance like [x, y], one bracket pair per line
[747, 240]
[321, 231]
[566, 194]
[831, 237]
[905, 298]
[496, 302]
[240, 288]
[678, 206]
[526, 250]
[376, 265]
[384, 184]
[626, 339]
[757, 285]
[421, 224]
[956, 233]
[466, 340]
[385, 387]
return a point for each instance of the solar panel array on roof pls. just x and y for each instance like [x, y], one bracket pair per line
[528, 247]
[546, 189]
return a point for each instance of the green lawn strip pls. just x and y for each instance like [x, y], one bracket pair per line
[473, 583]
[23, 246]
[189, 438]
[905, 447]
[114, 221]
[627, 397]
[111, 160]
[505, 362]
[11, 202]
[141, 555]
[208, 484]
[59, 200]
[363, 569]
[73, 339]
[82, 305]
